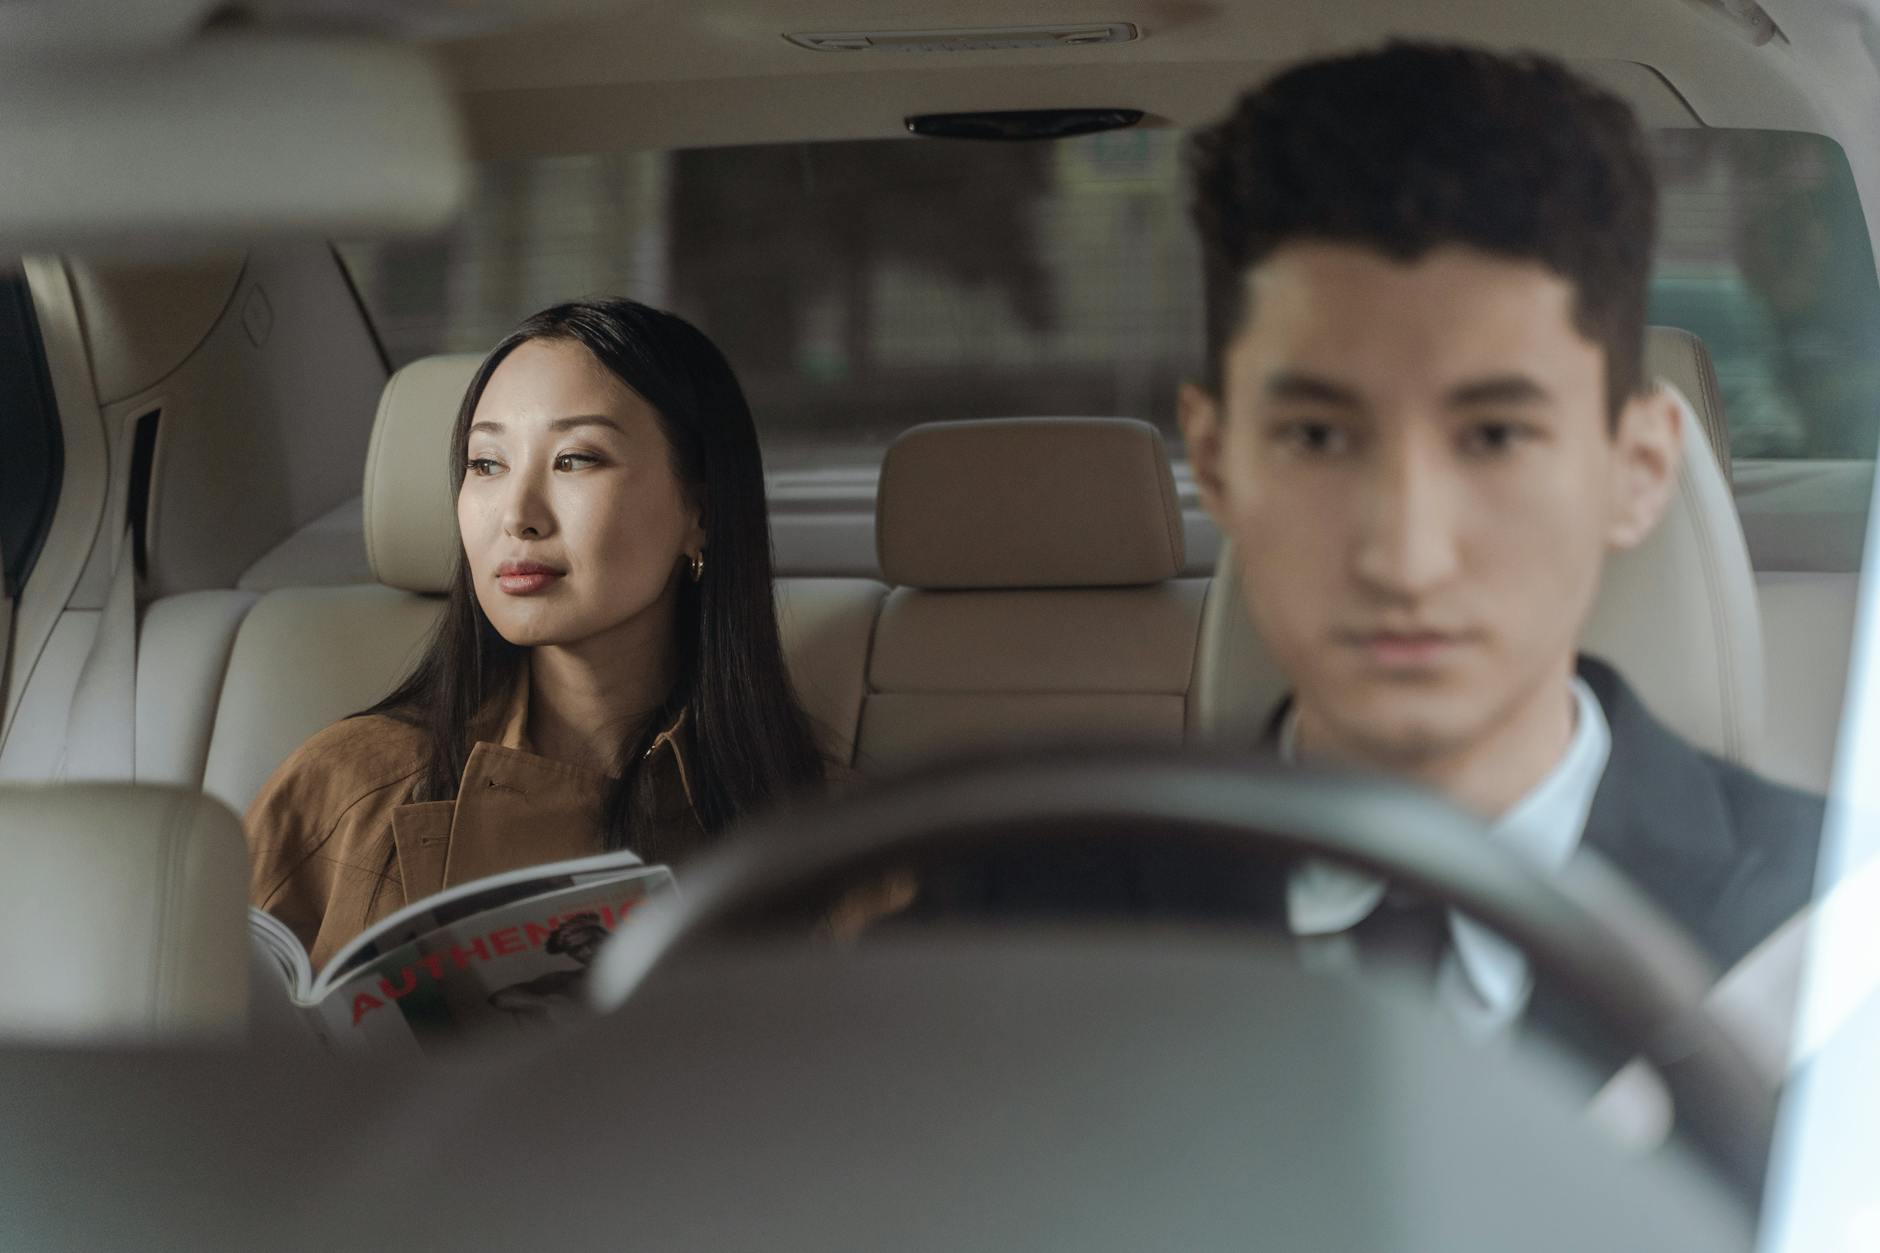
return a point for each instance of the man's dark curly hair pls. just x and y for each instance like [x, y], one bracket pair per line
[1415, 146]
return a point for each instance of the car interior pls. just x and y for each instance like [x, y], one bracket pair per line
[230, 384]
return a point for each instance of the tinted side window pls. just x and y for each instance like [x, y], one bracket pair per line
[29, 432]
[1764, 255]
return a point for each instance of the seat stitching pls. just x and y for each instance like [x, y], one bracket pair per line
[869, 687]
[1194, 654]
[372, 462]
[1171, 505]
[163, 952]
[1710, 561]
[868, 674]
[1717, 431]
[856, 755]
[882, 479]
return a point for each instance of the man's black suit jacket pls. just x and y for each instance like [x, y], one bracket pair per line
[1724, 853]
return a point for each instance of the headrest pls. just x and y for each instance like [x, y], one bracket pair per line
[410, 518]
[1679, 358]
[1677, 616]
[1028, 502]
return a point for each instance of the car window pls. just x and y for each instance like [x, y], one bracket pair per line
[858, 288]
[862, 287]
[1764, 255]
[29, 431]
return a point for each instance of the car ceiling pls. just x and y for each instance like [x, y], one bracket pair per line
[546, 77]
[549, 76]
[653, 74]
[529, 66]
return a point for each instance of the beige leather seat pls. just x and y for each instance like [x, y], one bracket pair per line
[1677, 357]
[1035, 563]
[1807, 613]
[139, 711]
[307, 656]
[1677, 615]
[123, 915]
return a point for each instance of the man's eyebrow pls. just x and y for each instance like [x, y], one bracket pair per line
[1294, 385]
[1502, 389]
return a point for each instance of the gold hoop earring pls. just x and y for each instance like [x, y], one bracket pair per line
[698, 565]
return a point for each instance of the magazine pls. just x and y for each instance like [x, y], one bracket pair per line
[506, 953]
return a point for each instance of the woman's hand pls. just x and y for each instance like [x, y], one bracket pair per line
[860, 908]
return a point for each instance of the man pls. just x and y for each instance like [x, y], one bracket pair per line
[1425, 425]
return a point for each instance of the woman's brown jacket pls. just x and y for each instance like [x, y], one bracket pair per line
[337, 843]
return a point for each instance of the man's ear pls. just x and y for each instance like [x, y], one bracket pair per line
[1199, 413]
[1649, 454]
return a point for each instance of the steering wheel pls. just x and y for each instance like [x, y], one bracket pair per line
[1643, 981]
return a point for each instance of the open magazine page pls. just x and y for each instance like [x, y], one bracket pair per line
[467, 900]
[512, 968]
[281, 947]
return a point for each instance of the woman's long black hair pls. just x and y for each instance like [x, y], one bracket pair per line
[750, 743]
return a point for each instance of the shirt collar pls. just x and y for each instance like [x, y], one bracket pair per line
[1543, 827]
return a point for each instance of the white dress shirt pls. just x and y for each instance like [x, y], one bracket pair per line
[1482, 979]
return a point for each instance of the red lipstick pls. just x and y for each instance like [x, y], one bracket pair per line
[525, 578]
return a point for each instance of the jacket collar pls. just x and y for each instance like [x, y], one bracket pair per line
[1658, 814]
[512, 731]
[515, 807]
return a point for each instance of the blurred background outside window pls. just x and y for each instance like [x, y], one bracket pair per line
[862, 287]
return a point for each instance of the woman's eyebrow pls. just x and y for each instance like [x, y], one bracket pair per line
[585, 419]
[491, 427]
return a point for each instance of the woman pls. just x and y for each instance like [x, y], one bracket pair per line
[607, 672]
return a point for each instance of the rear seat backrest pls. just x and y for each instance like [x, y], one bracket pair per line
[1677, 616]
[1037, 597]
[183, 647]
[308, 656]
